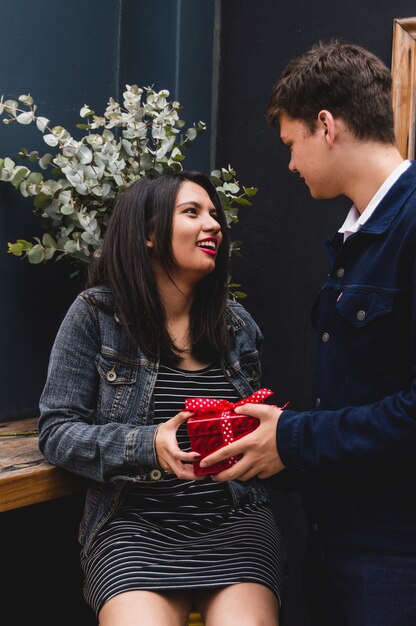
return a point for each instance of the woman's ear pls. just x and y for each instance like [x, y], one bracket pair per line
[149, 242]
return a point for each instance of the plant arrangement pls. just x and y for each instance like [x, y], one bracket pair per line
[74, 188]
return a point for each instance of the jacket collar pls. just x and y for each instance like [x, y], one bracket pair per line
[392, 203]
[385, 212]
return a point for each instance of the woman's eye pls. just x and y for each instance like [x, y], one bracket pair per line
[191, 210]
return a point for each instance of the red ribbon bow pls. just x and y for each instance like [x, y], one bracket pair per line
[208, 405]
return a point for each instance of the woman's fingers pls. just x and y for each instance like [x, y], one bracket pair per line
[170, 457]
[179, 418]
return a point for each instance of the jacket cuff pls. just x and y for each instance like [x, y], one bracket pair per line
[288, 438]
[140, 448]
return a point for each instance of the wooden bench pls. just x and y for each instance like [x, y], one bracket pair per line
[27, 478]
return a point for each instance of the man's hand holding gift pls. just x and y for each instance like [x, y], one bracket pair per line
[258, 449]
[246, 455]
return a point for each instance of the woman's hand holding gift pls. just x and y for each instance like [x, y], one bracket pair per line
[169, 455]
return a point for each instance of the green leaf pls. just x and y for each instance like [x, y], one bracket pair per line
[41, 201]
[36, 255]
[45, 160]
[8, 165]
[19, 175]
[35, 178]
[27, 100]
[25, 118]
[48, 241]
[250, 191]
[239, 294]
[41, 123]
[86, 111]
[242, 201]
[19, 247]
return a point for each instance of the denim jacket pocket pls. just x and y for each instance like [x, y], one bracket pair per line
[116, 381]
[369, 327]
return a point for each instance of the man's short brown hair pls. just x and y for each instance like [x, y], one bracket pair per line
[347, 80]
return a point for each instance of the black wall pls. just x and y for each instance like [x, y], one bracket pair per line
[283, 260]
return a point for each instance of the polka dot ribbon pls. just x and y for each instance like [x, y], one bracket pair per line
[208, 405]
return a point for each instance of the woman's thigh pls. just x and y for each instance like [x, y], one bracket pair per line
[243, 604]
[146, 608]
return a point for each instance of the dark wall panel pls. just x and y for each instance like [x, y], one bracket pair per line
[63, 54]
[283, 260]
[169, 45]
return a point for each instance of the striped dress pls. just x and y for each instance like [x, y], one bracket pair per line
[176, 534]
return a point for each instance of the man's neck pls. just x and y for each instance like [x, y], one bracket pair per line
[369, 167]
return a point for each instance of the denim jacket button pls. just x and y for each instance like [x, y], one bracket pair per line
[111, 376]
[360, 316]
[325, 337]
[155, 474]
[340, 272]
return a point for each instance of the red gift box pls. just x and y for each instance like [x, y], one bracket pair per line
[216, 425]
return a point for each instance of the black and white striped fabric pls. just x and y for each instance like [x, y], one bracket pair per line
[175, 534]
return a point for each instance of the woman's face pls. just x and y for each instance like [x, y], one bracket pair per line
[196, 234]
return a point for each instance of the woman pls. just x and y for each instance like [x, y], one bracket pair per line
[154, 328]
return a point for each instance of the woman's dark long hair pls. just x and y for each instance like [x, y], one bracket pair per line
[124, 265]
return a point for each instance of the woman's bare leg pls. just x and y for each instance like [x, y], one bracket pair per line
[244, 604]
[146, 608]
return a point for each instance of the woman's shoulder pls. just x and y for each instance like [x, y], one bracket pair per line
[238, 313]
[97, 296]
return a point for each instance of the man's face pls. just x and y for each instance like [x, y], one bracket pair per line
[309, 155]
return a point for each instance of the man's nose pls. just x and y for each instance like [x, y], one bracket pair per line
[292, 166]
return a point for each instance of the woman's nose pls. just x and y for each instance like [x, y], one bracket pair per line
[210, 223]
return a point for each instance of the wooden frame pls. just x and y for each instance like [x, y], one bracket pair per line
[404, 84]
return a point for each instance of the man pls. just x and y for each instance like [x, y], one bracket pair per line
[357, 447]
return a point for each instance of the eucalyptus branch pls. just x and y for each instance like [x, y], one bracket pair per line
[144, 133]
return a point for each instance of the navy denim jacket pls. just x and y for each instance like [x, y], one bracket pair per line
[359, 442]
[96, 409]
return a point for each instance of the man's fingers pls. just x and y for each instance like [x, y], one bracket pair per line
[261, 411]
[233, 449]
[241, 470]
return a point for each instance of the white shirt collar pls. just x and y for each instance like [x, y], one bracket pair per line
[354, 219]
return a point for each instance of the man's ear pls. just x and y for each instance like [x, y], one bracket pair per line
[326, 124]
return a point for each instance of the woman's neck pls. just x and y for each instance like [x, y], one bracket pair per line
[176, 298]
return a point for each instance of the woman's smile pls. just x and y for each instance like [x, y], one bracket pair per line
[208, 245]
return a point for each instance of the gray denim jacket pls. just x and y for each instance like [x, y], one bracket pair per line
[96, 410]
